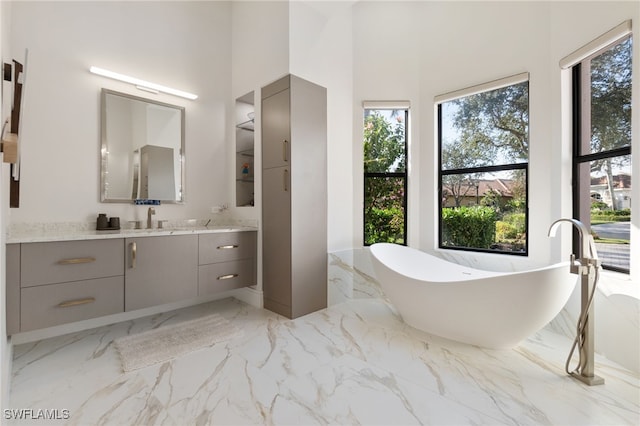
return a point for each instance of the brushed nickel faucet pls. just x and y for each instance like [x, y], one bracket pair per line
[587, 266]
[150, 212]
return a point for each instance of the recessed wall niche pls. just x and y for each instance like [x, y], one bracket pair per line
[245, 119]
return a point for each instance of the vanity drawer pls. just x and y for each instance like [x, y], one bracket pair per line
[62, 261]
[55, 304]
[225, 276]
[226, 246]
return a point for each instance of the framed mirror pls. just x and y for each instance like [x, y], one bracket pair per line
[142, 149]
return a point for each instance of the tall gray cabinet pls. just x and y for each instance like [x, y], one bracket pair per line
[294, 196]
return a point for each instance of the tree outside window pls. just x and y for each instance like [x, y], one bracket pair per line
[602, 150]
[385, 175]
[484, 151]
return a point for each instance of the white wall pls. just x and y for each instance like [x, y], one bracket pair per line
[321, 51]
[418, 50]
[260, 44]
[387, 66]
[180, 44]
[260, 55]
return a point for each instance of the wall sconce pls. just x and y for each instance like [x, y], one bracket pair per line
[141, 84]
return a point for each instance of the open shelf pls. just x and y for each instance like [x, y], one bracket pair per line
[246, 125]
[245, 142]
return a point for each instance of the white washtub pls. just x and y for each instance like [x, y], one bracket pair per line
[483, 308]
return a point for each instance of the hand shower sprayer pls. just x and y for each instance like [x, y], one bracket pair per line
[588, 268]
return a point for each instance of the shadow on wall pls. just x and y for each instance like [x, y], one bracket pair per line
[618, 329]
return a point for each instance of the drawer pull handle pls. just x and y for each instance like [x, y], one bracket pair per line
[233, 246]
[134, 254]
[227, 277]
[284, 150]
[76, 302]
[285, 180]
[76, 261]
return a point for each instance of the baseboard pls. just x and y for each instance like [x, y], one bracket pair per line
[250, 296]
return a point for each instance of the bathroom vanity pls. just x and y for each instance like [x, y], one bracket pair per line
[59, 279]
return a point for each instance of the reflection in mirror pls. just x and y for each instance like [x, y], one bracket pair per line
[142, 149]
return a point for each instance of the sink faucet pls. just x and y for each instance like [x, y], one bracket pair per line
[150, 212]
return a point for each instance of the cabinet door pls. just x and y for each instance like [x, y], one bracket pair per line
[276, 217]
[13, 288]
[160, 270]
[276, 136]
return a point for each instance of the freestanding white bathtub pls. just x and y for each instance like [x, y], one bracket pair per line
[483, 308]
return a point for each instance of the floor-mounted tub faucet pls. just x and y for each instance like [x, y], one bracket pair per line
[587, 267]
[585, 247]
[150, 212]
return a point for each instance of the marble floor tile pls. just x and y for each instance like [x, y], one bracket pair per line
[355, 362]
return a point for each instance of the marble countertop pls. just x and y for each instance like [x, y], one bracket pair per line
[70, 232]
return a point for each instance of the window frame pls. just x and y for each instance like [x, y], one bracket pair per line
[578, 158]
[482, 88]
[377, 106]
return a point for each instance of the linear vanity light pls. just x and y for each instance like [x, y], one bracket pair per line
[141, 84]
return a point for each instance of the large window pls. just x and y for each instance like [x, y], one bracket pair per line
[483, 137]
[602, 150]
[385, 175]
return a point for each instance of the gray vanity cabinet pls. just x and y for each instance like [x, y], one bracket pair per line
[160, 270]
[276, 237]
[59, 282]
[53, 283]
[13, 288]
[226, 261]
[276, 128]
[294, 196]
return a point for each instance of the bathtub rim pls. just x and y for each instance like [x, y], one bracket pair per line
[483, 273]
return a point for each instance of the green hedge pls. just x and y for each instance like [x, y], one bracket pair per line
[469, 226]
[511, 227]
[621, 212]
[384, 226]
[506, 231]
[622, 215]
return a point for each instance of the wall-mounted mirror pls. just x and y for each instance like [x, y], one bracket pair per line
[142, 149]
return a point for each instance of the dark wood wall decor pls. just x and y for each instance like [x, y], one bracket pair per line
[14, 184]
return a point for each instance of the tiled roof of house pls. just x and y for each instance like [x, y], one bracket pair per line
[502, 186]
[621, 180]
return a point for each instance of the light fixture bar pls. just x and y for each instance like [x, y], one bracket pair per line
[141, 84]
[147, 89]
